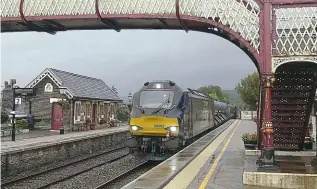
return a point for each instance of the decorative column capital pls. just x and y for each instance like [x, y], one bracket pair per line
[267, 80]
[268, 127]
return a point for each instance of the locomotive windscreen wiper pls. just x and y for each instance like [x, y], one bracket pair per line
[157, 110]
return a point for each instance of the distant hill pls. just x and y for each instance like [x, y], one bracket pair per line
[232, 93]
[234, 98]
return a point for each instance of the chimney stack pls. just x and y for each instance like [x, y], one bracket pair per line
[6, 84]
[12, 82]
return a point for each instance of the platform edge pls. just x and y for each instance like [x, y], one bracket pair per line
[280, 180]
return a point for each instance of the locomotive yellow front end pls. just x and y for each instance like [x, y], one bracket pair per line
[155, 118]
[157, 126]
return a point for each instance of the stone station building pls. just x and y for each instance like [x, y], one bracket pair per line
[69, 100]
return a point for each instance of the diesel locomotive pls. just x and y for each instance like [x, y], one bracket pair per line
[165, 118]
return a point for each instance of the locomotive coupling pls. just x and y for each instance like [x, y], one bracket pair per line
[172, 144]
[131, 142]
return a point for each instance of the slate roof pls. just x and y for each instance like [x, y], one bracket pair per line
[85, 87]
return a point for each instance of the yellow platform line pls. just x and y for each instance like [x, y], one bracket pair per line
[215, 164]
[183, 179]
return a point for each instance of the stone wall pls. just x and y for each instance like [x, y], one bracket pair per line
[7, 99]
[41, 106]
[7, 102]
[33, 158]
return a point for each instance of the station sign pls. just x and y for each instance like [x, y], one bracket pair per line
[24, 91]
[18, 100]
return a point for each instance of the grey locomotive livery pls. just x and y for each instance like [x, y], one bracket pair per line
[165, 118]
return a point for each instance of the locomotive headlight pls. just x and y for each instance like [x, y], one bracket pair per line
[173, 129]
[158, 86]
[136, 128]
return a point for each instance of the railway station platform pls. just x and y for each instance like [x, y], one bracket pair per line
[229, 166]
[26, 154]
[44, 141]
[219, 161]
[220, 165]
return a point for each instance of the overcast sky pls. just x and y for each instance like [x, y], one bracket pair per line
[126, 59]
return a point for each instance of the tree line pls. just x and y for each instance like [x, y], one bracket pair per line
[215, 92]
[245, 95]
[248, 89]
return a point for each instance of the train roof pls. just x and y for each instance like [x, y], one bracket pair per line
[198, 94]
[202, 95]
[161, 84]
[221, 104]
[169, 84]
[193, 91]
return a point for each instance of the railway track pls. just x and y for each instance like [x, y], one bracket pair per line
[108, 170]
[40, 179]
[127, 176]
[103, 175]
[134, 172]
[80, 172]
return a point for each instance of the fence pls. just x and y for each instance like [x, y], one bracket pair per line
[250, 115]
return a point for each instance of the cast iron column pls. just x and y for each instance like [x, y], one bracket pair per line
[267, 81]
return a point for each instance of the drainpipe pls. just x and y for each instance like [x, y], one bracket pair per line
[314, 121]
[72, 114]
[30, 107]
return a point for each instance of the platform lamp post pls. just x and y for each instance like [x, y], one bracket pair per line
[130, 101]
[313, 121]
[13, 113]
[130, 98]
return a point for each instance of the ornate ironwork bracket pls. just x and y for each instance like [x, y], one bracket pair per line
[267, 127]
[267, 80]
[106, 22]
[290, 2]
[33, 26]
[179, 17]
[278, 61]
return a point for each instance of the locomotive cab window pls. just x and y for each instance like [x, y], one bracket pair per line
[153, 99]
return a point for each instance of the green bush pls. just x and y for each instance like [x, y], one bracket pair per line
[246, 137]
[4, 117]
[22, 124]
[122, 115]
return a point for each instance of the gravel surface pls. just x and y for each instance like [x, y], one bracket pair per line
[67, 171]
[131, 176]
[99, 175]
[57, 164]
